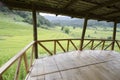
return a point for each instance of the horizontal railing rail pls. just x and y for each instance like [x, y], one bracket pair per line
[21, 55]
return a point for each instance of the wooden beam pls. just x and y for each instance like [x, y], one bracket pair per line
[35, 32]
[106, 3]
[83, 32]
[117, 10]
[90, 2]
[70, 3]
[108, 14]
[114, 35]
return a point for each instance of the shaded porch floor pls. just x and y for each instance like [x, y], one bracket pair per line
[78, 65]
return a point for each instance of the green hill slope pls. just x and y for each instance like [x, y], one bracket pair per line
[16, 35]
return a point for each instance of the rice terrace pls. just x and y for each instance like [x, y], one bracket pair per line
[59, 40]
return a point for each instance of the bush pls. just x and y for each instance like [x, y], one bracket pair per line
[109, 38]
[67, 30]
[44, 27]
[74, 27]
[88, 36]
[62, 28]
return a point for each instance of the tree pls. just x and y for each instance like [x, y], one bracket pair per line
[62, 28]
[67, 30]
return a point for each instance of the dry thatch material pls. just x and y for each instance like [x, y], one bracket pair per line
[108, 10]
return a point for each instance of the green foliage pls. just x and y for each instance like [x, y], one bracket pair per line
[109, 38]
[66, 30]
[42, 21]
[62, 28]
[27, 16]
[73, 27]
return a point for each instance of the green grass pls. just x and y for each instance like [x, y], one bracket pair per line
[16, 35]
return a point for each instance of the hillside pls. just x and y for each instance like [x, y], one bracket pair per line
[15, 35]
[23, 16]
[68, 21]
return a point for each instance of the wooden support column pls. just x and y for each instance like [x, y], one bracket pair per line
[83, 32]
[1, 77]
[35, 32]
[114, 35]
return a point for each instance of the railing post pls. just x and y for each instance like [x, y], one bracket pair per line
[26, 63]
[103, 44]
[92, 44]
[1, 77]
[54, 47]
[35, 32]
[83, 32]
[114, 35]
[18, 68]
[68, 45]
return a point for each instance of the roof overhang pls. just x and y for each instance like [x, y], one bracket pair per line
[106, 10]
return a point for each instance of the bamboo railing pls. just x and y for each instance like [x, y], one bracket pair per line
[21, 55]
[91, 44]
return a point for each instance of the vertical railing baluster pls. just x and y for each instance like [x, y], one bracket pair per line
[103, 44]
[18, 68]
[31, 57]
[68, 45]
[92, 44]
[54, 47]
[26, 63]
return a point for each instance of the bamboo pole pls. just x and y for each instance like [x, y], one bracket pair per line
[83, 32]
[114, 35]
[18, 69]
[35, 32]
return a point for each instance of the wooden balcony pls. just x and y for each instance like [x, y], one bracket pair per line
[77, 65]
[94, 62]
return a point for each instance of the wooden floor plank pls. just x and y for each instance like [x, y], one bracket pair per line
[88, 74]
[78, 65]
[64, 62]
[36, 78]
[49, 65]
[105, 72]
[53, 76]
[73, 74]
[38, 68]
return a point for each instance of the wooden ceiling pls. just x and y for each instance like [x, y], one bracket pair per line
[108, 10]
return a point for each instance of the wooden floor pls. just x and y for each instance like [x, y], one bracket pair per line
[78, 65]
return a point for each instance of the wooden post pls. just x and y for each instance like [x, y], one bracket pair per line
[35, 32]
[114, 35]
[54, 47]
[1, 77]
[83, 32]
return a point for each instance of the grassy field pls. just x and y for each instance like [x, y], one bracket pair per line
[16, 35]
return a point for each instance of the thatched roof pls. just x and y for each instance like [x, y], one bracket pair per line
[108, 10]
